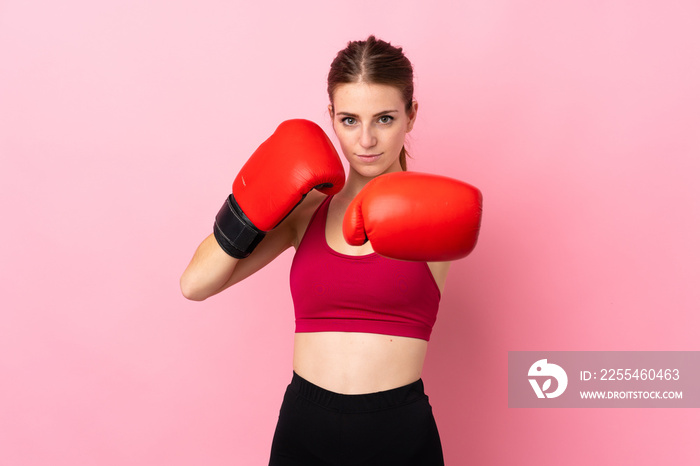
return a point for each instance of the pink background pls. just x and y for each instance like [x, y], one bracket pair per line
[123, 123]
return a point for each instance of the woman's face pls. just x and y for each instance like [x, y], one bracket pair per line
[371, 122]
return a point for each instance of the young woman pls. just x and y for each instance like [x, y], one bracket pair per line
[364, 309]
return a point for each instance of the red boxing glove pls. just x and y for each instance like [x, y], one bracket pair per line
[297, 158]
[415, 216]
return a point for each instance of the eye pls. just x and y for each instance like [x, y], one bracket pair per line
[386, 119]
[348, 121]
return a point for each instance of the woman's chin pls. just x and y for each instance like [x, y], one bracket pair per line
[375, 169]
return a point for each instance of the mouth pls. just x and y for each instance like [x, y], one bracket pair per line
[368, 157]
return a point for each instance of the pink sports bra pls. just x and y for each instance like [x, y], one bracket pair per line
[335, 292]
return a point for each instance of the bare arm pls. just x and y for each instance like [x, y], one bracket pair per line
[211, 270]
[439, 271]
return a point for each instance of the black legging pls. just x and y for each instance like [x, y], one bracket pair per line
[319, 427]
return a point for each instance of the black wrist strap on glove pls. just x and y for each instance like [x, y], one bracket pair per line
[234, 232]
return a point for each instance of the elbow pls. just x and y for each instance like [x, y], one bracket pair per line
[190, 290]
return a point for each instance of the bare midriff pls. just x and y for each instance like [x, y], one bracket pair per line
[357, 363]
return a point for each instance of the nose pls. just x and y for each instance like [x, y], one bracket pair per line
[367, 139]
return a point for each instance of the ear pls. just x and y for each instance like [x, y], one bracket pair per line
[412, 116]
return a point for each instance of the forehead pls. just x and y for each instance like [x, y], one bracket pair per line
[359, 98]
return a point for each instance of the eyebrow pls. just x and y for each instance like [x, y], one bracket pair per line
[373, 116]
